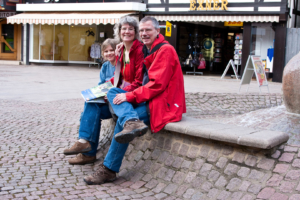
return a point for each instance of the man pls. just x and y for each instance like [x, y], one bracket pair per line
[162, 94]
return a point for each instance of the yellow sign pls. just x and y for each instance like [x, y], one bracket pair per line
[233, 23]
[168, 29]
[209, 5]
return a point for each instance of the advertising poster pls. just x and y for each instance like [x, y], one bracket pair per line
[259, 70]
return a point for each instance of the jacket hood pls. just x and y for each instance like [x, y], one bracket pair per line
[160, 39]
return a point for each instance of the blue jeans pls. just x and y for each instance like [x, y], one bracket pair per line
[125, 111]
[90, 124]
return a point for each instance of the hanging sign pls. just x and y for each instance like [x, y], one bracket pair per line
[254, 65]
[168, 29]
[233, 23]
[233, 67]
[208, 4]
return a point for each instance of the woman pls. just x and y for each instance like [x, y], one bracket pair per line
[130, 78]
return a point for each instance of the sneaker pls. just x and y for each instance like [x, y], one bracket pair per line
[102, 175]
[132, 129]
[81, 159]
[78, 147]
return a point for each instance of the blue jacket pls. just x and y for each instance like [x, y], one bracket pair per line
[106, 72]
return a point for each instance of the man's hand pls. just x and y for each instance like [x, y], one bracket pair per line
[118, 48]
[120, 98]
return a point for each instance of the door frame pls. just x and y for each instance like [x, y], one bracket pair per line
[9, 56]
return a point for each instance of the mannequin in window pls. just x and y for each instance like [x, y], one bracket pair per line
[60, 37]
[42, 40]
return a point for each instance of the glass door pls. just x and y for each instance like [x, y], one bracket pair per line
[8, 43]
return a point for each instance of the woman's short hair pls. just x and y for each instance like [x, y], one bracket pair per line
[131, 21]
[109, 42]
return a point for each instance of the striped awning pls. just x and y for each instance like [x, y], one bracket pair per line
[67, 18]
[218, 18]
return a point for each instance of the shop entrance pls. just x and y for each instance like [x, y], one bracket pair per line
[212, 42]
[8, 41]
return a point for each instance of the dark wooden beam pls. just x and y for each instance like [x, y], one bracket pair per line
[246, 45]
[279, 51]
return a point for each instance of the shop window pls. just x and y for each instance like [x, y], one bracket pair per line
[262, 44]
[35, 46]
[46, 43]
[81, 40]
[61, 42]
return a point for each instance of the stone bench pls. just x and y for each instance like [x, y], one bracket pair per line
[250, 137]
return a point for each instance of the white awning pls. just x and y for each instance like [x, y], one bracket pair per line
[218, 18]
[68, 18]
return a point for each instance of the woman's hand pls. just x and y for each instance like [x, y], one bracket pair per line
[120, 98]
[118, 48]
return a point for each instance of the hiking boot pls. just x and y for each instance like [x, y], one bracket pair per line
[78, 147]
[132, 129]
[81, 159]
[102, 175]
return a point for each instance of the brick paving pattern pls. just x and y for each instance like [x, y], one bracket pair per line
[159, 166]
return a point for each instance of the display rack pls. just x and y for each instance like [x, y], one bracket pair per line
[237, 57]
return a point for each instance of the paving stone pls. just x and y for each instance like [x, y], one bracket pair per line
[221, 182]
[296, 163]
[198, 164]
[193, 152]
[177, 163]
[236, 196]
[204, 151]
[213, 175]
[170, 188]
[224, 195]
[276, 154]
[254, 188]
[222, 162]
[279, 196]
[251, 160]
[182, 189]
[294, 197]
[178, 177]
[287, 157]
[205, 170]
[247, 197]
[287, 187]
[244, 186]
[159, 188]
[206, 186]
[243, 172]
[160, 196]
[266, 163]
[274, 180]
[233, 184]
[239, 157]
[254, 174]
[190, 177]
[281, 168]
[231, 169]
[290, 149]
[292, 175]
[266, 193]
[213, 193]
[189, 193]
[186, 164]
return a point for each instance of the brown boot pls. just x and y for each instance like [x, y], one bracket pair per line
[132, 129]
[78, 147]
[81, 159]
[102, 175]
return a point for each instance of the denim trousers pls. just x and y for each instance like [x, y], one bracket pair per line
[90, 126]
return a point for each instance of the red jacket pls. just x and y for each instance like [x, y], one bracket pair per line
[165, 89]
[136, 57]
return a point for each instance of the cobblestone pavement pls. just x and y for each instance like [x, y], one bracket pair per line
[160, 166]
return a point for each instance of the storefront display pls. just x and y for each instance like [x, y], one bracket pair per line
[66, 44]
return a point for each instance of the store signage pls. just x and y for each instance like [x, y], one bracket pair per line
[47, 1]
[233, 23]
[208, 4]
[168, 29]
[6, 14]
[13, 1]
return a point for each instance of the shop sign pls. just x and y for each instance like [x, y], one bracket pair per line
[47, 1]
[208, 4]
[6, 14]
[13, 1]
[233, 23]
[168, 29]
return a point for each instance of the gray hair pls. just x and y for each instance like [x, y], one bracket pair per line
[131, 21]
[152, 19]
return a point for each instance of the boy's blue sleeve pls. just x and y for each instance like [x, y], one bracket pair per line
[102, 73]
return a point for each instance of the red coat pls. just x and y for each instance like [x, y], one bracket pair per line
[136, 57]
[165, 89]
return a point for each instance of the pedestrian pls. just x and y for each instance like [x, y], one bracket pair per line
[131, 78]
[160, 100]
